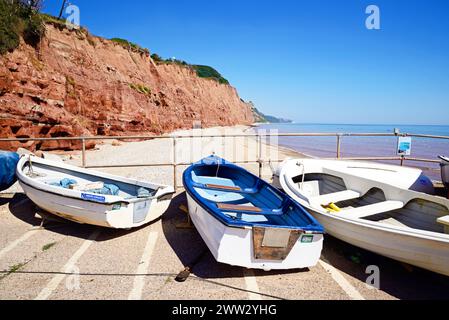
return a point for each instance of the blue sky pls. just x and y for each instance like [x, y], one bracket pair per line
[311, 61]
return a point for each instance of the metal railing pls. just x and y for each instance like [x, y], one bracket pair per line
[257, 136]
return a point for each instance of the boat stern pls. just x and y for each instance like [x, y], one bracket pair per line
[269, 248]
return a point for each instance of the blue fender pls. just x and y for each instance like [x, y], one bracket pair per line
[8, 164]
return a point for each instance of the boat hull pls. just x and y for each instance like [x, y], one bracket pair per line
[234, 246]
[421, 248]
[105, 215]
[426, 253]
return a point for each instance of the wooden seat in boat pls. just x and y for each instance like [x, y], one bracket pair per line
[335, 197]
[233, 207]
[372, 209]
[393, 222]
[444, 221]
[220, 187]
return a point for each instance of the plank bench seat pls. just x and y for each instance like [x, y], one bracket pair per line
[234, 207]
[250, 210]
[372, 209]
[444, 221]
[335, 197]
[216, 186]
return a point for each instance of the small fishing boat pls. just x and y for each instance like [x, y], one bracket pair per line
[246, 222]
[8, 163]
[387, 209]
[91, 197]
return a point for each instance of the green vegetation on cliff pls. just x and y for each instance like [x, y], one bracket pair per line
[140, 88]
[19, 18]
[201, 71]
[130, 45]
[209, 73]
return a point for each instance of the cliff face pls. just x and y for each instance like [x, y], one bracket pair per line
[77, 85]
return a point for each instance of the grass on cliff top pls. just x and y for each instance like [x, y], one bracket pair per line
[201, 71]
[57, 22]
[209, 73]
[53, 20]
[19, 19]
[130, 45]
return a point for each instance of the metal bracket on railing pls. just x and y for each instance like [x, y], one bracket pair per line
[260, 162]
[270, 163]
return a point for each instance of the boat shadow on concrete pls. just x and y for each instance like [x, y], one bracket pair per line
[5, 198]
[24, 209]
[397, 279]
[190, 248]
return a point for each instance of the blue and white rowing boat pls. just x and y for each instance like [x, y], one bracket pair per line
[246, 222]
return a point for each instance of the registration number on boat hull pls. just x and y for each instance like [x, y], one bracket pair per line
[92, 197]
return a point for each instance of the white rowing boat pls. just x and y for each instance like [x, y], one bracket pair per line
[382, 208]
[91, 197]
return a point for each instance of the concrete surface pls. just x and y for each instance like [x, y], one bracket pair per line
[65, 260]
[108, 265]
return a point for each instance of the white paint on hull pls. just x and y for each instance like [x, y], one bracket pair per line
[234, 246]
[418, 247]
[430, 254]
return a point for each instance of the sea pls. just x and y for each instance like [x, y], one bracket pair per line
[366, 146]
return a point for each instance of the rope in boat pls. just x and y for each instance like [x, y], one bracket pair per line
[303, 173]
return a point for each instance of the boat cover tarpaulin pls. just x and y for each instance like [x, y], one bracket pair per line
[8, 163]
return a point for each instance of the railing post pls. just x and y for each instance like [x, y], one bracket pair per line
[223, 147]
[174, 163]
[402, 160]
[338, 146]
[83, 152]
[259, 148]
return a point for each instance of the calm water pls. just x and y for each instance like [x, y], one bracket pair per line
[366, 146]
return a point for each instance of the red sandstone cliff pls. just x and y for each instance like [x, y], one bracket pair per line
[77, 85]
